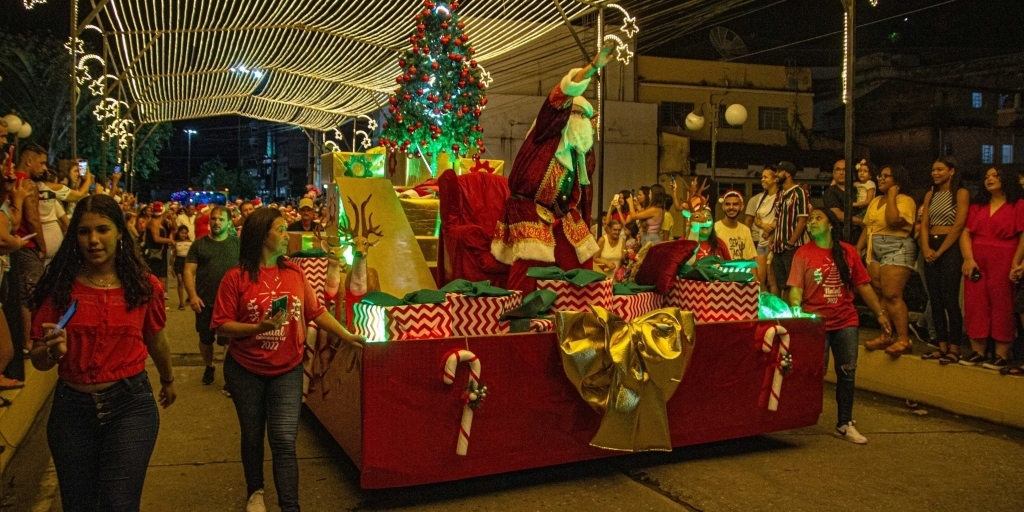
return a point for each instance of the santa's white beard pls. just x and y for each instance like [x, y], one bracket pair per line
[579, 133]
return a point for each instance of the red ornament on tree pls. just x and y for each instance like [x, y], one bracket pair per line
[419, 92]
[434, 65]
[472, 64]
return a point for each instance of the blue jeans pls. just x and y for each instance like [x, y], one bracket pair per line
[843, 345]
[101, 444]
[268, 405]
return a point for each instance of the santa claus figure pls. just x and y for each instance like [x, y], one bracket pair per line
[546, 220]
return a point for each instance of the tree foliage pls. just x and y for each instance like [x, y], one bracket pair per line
[215, 173]
[36, 83]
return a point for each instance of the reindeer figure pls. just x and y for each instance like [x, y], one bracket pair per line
[696, 209]
[361, 278]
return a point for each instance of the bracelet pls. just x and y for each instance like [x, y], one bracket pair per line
[166, 382]
[880, 314]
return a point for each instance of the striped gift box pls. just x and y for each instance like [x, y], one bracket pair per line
[715, 302]
[570, 297]
[478, 316]
[397, 323]
[629, 307]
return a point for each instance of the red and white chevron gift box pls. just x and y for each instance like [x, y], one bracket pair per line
[398, 323]
[570, 297]
[316, 273]
[478, 316]
[536, 325]
[628, 307]
[715, 302]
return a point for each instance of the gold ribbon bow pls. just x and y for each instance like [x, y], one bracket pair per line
[628, 371]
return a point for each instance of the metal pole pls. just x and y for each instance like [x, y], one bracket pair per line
[602, 93]
[74, 79]
[851, 24]
[714, 141]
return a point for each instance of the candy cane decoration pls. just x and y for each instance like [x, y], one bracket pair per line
[452, 360]
[784, 364]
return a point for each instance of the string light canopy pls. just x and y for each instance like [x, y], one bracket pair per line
[308, 63]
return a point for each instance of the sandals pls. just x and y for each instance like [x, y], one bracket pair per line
[935, 354]
[1017, 371]
[7, 384]
[900, 347]
[879, 343]
[950, 358]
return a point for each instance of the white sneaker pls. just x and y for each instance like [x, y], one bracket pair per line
[849, 433]
[256, 502]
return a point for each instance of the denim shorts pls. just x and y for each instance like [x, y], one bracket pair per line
[763, 249]
[894, 250]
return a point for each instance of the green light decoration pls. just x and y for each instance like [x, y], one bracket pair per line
[347, 254]
[363, 166]
[440, 95]
[772, 307]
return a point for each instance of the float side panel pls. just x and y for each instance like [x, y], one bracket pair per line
[335, 398]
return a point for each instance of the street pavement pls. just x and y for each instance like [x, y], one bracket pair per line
[917, 459]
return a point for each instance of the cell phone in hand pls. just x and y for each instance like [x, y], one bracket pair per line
[67, 316]
[117, 170]
[975, 275]
[278, 305]
[83, 167]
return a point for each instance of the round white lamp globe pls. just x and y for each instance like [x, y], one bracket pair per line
[13, 123]
[736, 114]
[694, 122]
[25, 131]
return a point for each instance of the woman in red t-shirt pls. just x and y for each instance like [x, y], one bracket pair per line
[824, 273]
[103, 421]
[263, 367]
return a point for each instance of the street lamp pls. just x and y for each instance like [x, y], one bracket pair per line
[849, 65]
[188, 170]
[735, 115]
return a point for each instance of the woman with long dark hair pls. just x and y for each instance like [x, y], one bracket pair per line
[891, 253]
[11, 199]
[263, 366]
[989, 244]
[103, 422]
[653, 214]
[943, 219]
[824, 275]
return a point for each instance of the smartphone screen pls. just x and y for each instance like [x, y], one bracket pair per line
[117, 169]
[279, 304]
[67, 315]
[83, 167]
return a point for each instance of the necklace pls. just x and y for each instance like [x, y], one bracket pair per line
[101, 285]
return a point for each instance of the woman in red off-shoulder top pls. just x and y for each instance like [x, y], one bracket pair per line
[104, 420]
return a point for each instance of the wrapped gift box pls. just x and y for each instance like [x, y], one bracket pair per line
[395, 323]
[628, 307]
[570, 297]
[478, 316]
[715, 301]
[536, 325]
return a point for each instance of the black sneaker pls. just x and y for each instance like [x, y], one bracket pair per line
[208, 375]
[974, 359]
[996, 363]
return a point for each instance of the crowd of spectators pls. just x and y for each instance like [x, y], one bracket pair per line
[957, 244]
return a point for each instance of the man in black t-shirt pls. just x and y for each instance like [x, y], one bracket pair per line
[307, 216]
[209, 258]
[834, 199]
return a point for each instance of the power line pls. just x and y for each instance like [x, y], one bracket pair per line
[830, 34]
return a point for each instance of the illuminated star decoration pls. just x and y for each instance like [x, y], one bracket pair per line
[332, 146]
[629, 26]
[32, 3]
[371, 123]
[622, 52]
[485, 77]
[79, 45]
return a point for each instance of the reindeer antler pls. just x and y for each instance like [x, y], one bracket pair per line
[353, 217]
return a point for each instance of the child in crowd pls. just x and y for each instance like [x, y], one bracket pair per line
[182, 243]
[865, 187]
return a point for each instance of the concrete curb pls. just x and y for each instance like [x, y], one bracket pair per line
[16, 420]
[967, 390]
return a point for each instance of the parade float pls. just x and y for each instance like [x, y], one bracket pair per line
[460, 377]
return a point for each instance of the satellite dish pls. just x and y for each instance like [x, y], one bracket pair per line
[728, 43]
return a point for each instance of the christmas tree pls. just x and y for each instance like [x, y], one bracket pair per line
[440, 95]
